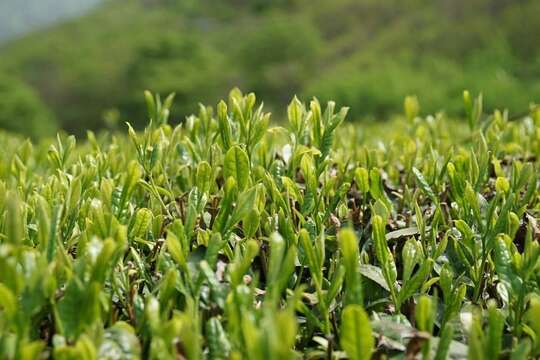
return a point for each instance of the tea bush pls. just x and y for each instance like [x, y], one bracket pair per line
[226, 237]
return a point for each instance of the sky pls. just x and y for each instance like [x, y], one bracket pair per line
[18, 17]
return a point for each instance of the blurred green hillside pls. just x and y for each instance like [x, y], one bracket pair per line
[368, 54]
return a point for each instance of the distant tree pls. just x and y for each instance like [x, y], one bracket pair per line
[22, 111]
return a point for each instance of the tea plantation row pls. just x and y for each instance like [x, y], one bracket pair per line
[229, 237]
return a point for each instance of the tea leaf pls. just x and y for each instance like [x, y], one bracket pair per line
[356, 336]
[236, 165]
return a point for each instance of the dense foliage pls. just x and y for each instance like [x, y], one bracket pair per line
[367, 54]
[225, 237]
[22, 111]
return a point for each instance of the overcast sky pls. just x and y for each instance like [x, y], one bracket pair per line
[18, 17]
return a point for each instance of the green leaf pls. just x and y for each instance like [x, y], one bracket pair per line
[379, 240]
[411, 107]
[532, 317]
[14, 220]
[218, 344]
[314, 264]
[384, 256]
[351, 259]
[376, 188]
[280, 266]
[259, 130]
[295, 115]
[503, 265]
[215, 245]
[119, 342]
[8, 301]
[355, 334]
[44, 224]
[83, 349]
[241, 264]
[204, 176]
[424, 185]
[405, 232]
[361, 177]
[142, 223]
[236, 165]
[416, 282]
[224, 125]
[150, 104]
[494, 332]
[425, 314]
[79, 308]
[175, 249]
[104, 261]
[245, 205]
[444, 343]
[521, 351]
[410, 257]
[32, 350]
[425, 318]
[476, 340]
[375, 274]
[285, 336]
[251, 223]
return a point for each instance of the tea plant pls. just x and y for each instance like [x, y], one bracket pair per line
[226, 237]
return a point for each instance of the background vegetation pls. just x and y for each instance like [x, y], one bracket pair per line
[89, 72]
